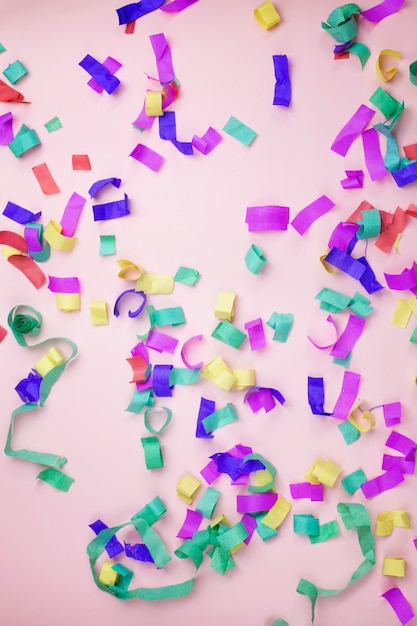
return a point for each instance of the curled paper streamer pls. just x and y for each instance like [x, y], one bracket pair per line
[183, 350]
[386, 521]
[190, 525]
[206, 408]
[19, 214]
[307, 490]
[352, 129]
[137, 311]
[256, 334]
[282, 93]
[341, 23]
[353, 180]
[100, 184]
[111, 210]
[254, 259]
[266, 15]
[207, 142]
[263, 398]
[390, 479]
[399, 604]
[389, 73]
[347, 396]
[135, 10]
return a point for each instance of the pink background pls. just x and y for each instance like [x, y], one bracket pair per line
[192, 213]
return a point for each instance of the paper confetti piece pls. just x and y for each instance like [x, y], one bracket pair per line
[392, 413]
[6, 128]
[267, 217]
[100, 73]
[183, 350]
[239, 131]
[81, 162]
[373, 157]
[399, 604]
[15, 71]
[155, 283]
[53, 124]
[382, 10]
[229, 334]
[98, 312]
[353, 180]
[225, 306]
[19, 214]
[53, 235]
[307, 490]
[107, 245]
[56, 478]
[256, 334]
[267, 15]
[386, 521]
[25, 140]
[153, 453]
[45, 179]
[305, 218]
[187, 276]
[147, 157]
[111, 210]
[282, 93]
[8, 94]
[219, 418]
[352, 482]
[207, 142]
[187, 488]
[386, 74]
[254, 259]
[341, 23]
[281, 324]
[190, 525]
[352, 129]
[135, 10]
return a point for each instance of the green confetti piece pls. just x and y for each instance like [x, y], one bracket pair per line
[264, 531]
[24, 140]
[343, 362]
[268, 466]
[413, 337]
[326, 531]
[2, 48]
[370, 224]
[183, 376]
[153, 453]
[190, 550]
[219, 418]
[353, 481]
[336, 301]
[354, 516]
[254, 259]
[282, 324]
[15, 71]
[349, 432]
[359, 305]
[151, 512]
[164, 426]
[221, 561]
[208, 502]
[239, 131]
[56, 478]
[306, 524]
[53, 124]
[232, 537]
[226, 332]
[107, 245]
[341, 23]
[389, 106]
[140, 399]
[187, 276]
[361, 51]
[125, 578]
[167, 317]
[413, 72]
[280, 622]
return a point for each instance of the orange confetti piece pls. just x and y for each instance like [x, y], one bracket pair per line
[45, 179]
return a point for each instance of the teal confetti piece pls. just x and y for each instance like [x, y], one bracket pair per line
[15, 71]
[282, 324]
[56, 478]
[353, 481]
[220, 418]
[349, 432]
[140, 399]
[107, 245]
[24, 141]
[2, 48]
[239, 131]
[152, 451]
[326, 531]
[53, 124]
[187, 276]
[183, 376]
[254, 259]
[370, 224]
[229, 334]
[343, 362]
[208, 502]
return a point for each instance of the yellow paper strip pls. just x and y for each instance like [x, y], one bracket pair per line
[68, 301]
[267, 15]
[219, 373]
[244, 378]
[153, 103]
[51, 359]
[98, 311]
[225, 306]
[187, 488]
[9, 251]
[52, 234]
[367, 419]
[412, 303]
[277, 513]
[155, 283]
[401, 314]
[220, 519]
[386, 75]
[326, 472]
[263, 477]
[330, 269]
[393, 566]
[386, 521]
[129, 270]
[108, 576]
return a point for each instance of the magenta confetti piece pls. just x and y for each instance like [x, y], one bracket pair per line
[402, 444]
[147, 157]
[390, 479]
[373, 157]
[342, 236]
[347, 396]
[267, 217]
[255, 502]
[347, 340]
[263, 398]
[353, 180]
[64, 285]
[163, 58]
[100, 73]
[330, 345]
[399, 604]
[256, 334]
[352, 129]
[392, 413]
[177, 5]
[143, 120]
[249, 523]
[312, 212]
[407, 279]
[71, 215]
[112, 66]
[382, 10]
[210, 472]
[140, 350]
[207, 142]
[6, 129]
[190, 525]
[404, 465]
[307, 490]
[161, 342]
[32, 239]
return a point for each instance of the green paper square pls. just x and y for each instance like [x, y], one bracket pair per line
[107, 245]
[15, 71]
[239, 131]
[53, 124]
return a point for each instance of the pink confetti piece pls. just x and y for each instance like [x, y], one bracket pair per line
[147, 157]
[353, 180]
[373, 157]
[390, 479]
[256, 334]
[255, 502]
[64, 285]
[207, 142]
[161, 342]
[392, 413]
[267, 217]
[347, 340]
[71, 214]
[402, 444]
[183, 350]
[307, 490]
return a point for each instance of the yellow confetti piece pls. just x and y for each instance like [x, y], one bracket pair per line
[386, 521]
[330, 269]
[237, 547]
[108, 576]
[401, 314]
[310, 477]
[9, 251]
[68, 301]
[325, 472]
[267, 15]
[412, 303]
[155, 283]
[364, 420]
[225, 306]
[386, 75]
[244, 378]
[53, 235]
[129, 270]
[277, 513]
[187, 488]
[393, 566]
[220, 519]
[397, 242]
[98, 312]
[219, 373]
[51, 359]
[153, 103]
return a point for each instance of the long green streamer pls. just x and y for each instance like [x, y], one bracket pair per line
[353, 516]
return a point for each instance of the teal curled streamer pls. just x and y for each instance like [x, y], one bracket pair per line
[22, 325]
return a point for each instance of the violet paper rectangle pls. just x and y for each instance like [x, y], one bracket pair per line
[267, 217]
[352, 129]
[312, 212]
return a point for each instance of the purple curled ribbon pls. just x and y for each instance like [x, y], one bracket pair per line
[160, 381]
[111, 210]
[130, 313]
[263, 398]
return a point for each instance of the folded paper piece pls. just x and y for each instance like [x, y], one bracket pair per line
[8, 94]
[282, 93]
[392, 413]
[56, 478]
[281, 323]
[130, 313]
[155, 283]
[386, 74]
[190, 525]
[100, 73]
[6, 129]
[256, 334]
[100, 184]
[254, 259]
[352, 482]
[168, 131]
[187, 276]
[312, 212]
[161, 342]
[307, 490]
[306, 524]
[19, 214]
[382, 10]
[373, 158]
[207, 142]
[207, 407]
[53, 235]
[390, 479]
[324, 472]
[187, 488]
[24, 140]
[277, 513]
[135, 10]
[347, 396]
[107, 245]
[352, 129]
[229, 334]
[386, 521]
[163, 58]
[170, 316]
[53, 124]
[80, 162]
[404, 175]
[208, 502]
[67, 292]
[402, 444]
[341, 23]
[326, 531]
[219, 418]
[72, 214]
[237, 129]
[153, 103]
[183, 350]
[349, 337]
[111, 210]
[406, 466]
[315, 391]
[353, 180]
[98, 312]
[113, 546]
[153, 453]
[263, 398]
[399, 604]
[15, 71]
[267, 15]
[267, 217]
[147, 157]
[225, 306]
